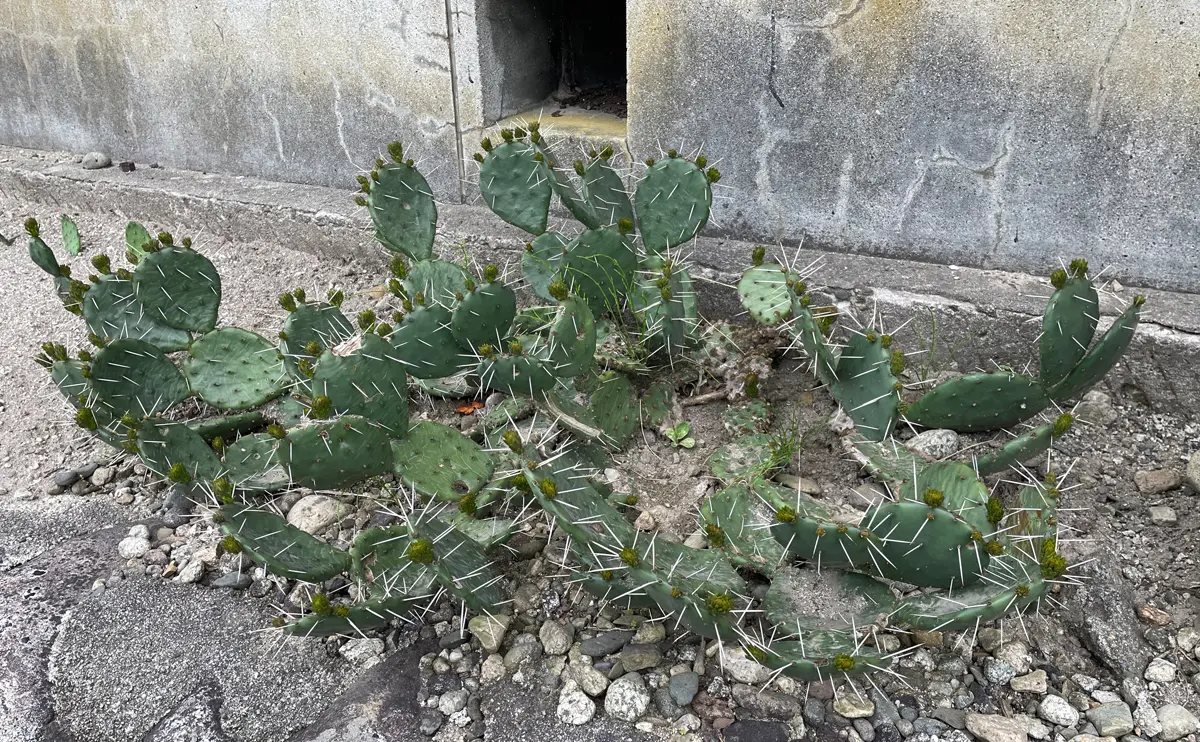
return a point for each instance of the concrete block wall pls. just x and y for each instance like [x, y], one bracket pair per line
[1004, 134]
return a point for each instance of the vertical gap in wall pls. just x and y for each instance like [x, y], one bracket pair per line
[458, 139]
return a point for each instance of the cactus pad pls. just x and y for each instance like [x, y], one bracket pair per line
[232, 368]
[1101, 357]
[865, 386]
[1068, 327]
[134, 376]
[732, 520]
[614, 407]
[749, 455]
[402, 208]
[179, 288]
[542, 261]
[518, 375]
[323, 324]
[70, 235]
[820, 354]
[765, 293]
[439, 461]
[672, 199]
[752, 416]
[441, 283]
[485, 315]
[600, 267]
[367, 382]
[283, 549]
[604, 191]
[980, 401]
[1020, 449]
[112, 310]
[357, 618]
[163, 444]
[820, 656]
[572, 339]
[517, 187]
[658, 403]
[42, 256]
[459, 564]
[251, 464]
[1011, 584]
[336, 453]
[887, 460]
[425, 344]
[665, 302]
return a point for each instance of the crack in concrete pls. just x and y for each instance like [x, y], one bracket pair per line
[1100, 86]
[771, 73]
[275, 125]
[341, 122]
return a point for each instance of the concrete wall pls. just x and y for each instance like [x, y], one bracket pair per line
[1001, 133]
[298, 90]
[1005, 133]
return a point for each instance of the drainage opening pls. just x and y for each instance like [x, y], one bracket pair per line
[553, 55]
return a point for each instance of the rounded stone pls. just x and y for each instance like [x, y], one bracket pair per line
[1056, 710]
[627, 698]
[575, 708]
[133, 547]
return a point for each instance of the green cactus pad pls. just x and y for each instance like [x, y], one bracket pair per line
[179, 288]
[1101, 357]
[600, 266]
[289, 412]
[733, 518]
[672, 199]
[460, 565]
[948, 556]
[865, 387]
[572, 339]
[522, 375]
[336, 453]
[68, 377]
[136, 239]
[668, 316]
[70, 235]
[564, 187]
[283, 549]
[1020, 449]
[485, 315]
[978, 402]
[425, 344]
[41, 254]
[992, 598]
[402, 208]
[163, 444]
[439, 281]
[232, 368]
[765, 294]
[748, 455]
[614, 407]
[251, 464]
[797, 596]
[358, 618]
[516, 187]
[379, 561]
[1068, 327]
[112, 310]
[816, 346]
[439, 461]
[604, 191]
[134, 376]
[887, 460]
[228, 427]
[367, 381]
[752, 416]
[541, 264]
[658, 403]
[323, 324]
[488, 532]
[963, 494]
[819, 656]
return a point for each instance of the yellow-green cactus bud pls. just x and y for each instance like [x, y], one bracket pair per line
[843, 662]
[336, 297]
[218, 445]
[366, 318]
[341, 611]
[701, 161]
[124, 275]
[1079, 268]
[1139, 301]
[672, 153]
[230, 545]
[31, 227]
[487, 350]
[1062, 425]
[1054, 565]
[785, 514]
[85, 418]
[885, 341]
[872, 337]
[896, 363]
[178, 473]
[490, 273]
[467, 504]
[418, 299]
[558, 289]
[714, 534]
[478, 157]
[519, 483]
[1058, 278]
[166, 238]
[606, 575]
[363, 183]
[313, 348]
[719, 604]
[276, 431]
[420, 551]
[288, 302]
[631, 500]
[1022, 591]
[578, 164]
[995, 510]
[506, 134]
[713, 175]
[549, 488]
[305, 367]
[321, 605]
[360, 201]
[486, 144]
[649, 162]
[101, 263]
[624, 225]
[751, 385]
[399, 267]
[629, 556]
[994, 547]
[223, 489]
[322, 408]
[396, 152]
[514, 347]
[757, 255]
[933, 497]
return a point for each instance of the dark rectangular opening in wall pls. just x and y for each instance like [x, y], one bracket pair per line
[552, 52]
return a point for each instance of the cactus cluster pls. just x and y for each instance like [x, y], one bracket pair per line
[325, 406]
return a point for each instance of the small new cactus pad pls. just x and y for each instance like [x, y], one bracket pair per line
[425, 345]
[1101, 357]
[1068, 327]
[43, 256]
[673, 199]
[731, 521]
[232, 369]
[179, 288]
[335, 453]
[541, 263]
[572, 341]
[765, 293]
[368, 382]
[323, 324]
[516, 186]
[70, 235]
[1036, 515]
[980, 401]
[1024, 447]
[134, 376]
[439, 461]
[485, 315]
[865, 387]
[600, 267]
[136, 239]
[251, 464]
[403, 211]
[283, 549]
[440, 282]
[163, 445]
[604, 192]
[112, 310]
[665, 303]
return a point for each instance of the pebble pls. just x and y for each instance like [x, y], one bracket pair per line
[627, 698]
[489, 630]
[1156, 616]
[1111, 719]
[605, 643]
[644, 522]
[1034, 682]
[102, 476]
[1087, 682]
[649, 632]
[556, 637]
[431, 721]
[996, 728]
[1188, 639]
[998, 672]
[1155, 481]
[592, 681]
[1176, 722]
[96, 160]
[363, 652]
[936, 444]
[314, 513]
[1193, 472]
[1016, 654]
[525, 651]
[1162, 515]
[1056, 710]
[1145, 718]
[454, 701]
[192, 571]
[66, 478]
[866, 732]
[233, 581]
[132, 547]
[767, 704]
[492, 669]
[636, 657]
[852, 706]
[683, 687]
[575, 708]
[1160, 671]
[743, 669]
[123, 496]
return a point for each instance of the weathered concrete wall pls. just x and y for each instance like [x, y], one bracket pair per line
[1005, 134]
[298, 90]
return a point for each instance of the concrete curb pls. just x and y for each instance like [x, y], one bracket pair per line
[965, 315]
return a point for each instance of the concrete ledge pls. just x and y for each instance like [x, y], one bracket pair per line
[964, 316]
